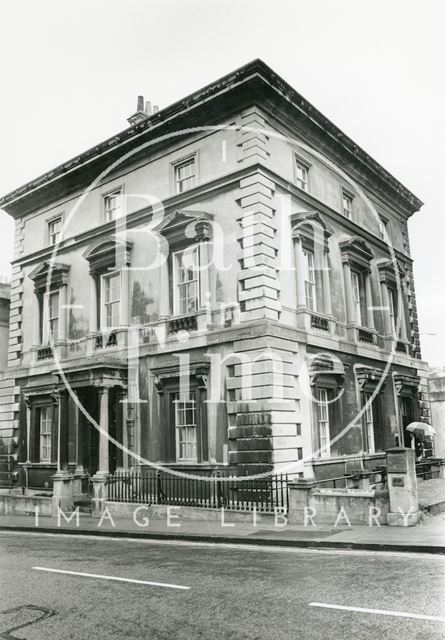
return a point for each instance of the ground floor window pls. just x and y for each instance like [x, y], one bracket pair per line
[186, 429]
[369, 423]
[323, 422]
[45, 420]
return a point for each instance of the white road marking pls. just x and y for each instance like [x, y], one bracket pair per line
[233, 545]
[117, 579]
[381, 612]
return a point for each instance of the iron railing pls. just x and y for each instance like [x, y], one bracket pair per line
[213, 492]
[428, 469]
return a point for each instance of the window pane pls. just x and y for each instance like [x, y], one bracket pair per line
[186, 429]
[187, 292]
[185, 175]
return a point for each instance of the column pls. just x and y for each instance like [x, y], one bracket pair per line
[369, 305]
[350, 316]
[36, 335]
[80, 435]
[62, 458]
[103, 434]
[327, 301]
[62, 312]
[164, 294]
[386, 315]
[299, 266]
[120, 407]
[93, 302]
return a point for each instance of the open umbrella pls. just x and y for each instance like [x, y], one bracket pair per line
[421, 429]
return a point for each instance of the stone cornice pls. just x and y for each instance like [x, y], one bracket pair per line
[253, 83]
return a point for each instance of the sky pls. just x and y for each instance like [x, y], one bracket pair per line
[71, 72]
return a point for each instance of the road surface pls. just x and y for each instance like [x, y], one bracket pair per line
[69, 587]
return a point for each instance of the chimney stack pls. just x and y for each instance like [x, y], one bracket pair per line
[143, 111]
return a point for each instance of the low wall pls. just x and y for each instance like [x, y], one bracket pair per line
[336, 506]
[24, 505]
[160, 512]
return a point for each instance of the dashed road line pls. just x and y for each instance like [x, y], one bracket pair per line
[381, 612]
[115, 578]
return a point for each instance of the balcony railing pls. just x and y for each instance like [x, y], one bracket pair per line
[365, 336]
[186, 323]
[106, 340]
[319, 323]
[44, 353]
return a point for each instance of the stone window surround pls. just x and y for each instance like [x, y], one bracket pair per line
[104, 256]
[48, 278]
[167, 384]
[357, 256]
[305, 228]
[389, 280]
[174, 230]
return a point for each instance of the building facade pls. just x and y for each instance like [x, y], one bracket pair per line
[225, 283]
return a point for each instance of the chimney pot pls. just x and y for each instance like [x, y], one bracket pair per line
[140, 104]
[155, 108]
[148, 107]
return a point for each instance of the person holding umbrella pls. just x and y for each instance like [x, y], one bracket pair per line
[420, 430]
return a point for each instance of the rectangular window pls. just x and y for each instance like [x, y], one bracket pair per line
[186, 429]
[186, 280]
[357, 297]
[369, 423]
[185, 175]
[323, 423]
[113, 205]
[347, 205]
[301, 175]
[392, 294]
[45, 434]
[111, 292]
[54, 228]
[309, 280]
[53, 315]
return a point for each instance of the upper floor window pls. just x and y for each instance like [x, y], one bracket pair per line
[111, 296]
[113, 205]
[392, 295]
[45, 434]
[53, 315]
[347, 204]
[301, 175]
[54, 229]
[186, 280]
[310, 280]
[186, 429]
[358, 295]
[185, 173]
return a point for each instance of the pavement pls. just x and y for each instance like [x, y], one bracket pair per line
[426, 537]
[78, 588]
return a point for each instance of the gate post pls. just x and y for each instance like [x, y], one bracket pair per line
[402, 487]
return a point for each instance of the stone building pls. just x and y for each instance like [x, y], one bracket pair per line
[237, 236]
[6, 384]
[436, 384]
